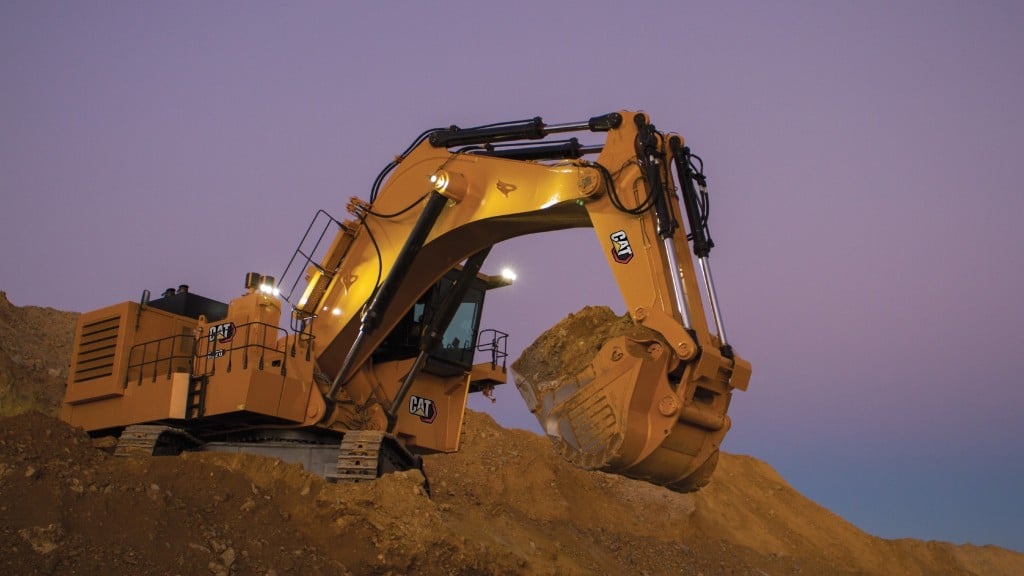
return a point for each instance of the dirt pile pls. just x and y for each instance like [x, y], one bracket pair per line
[505, 504]
[35, 348]
[574, 342]
[69, 507]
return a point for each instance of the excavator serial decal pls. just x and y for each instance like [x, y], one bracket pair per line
[422, 407]
[622, 252]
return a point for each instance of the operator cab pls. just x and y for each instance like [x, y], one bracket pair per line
[454, 353]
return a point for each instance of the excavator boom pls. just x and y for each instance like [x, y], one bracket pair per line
[654, 409]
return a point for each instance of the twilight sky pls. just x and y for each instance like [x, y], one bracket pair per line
[860, 158]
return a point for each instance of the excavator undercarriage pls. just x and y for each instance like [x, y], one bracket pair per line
[356, 456]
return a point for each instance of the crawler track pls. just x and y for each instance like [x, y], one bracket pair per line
[368, 454]
[154, 440]
[359, 456]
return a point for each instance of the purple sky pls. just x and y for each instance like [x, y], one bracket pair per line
[860, 156]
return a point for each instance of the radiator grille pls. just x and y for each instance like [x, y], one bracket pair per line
[96, 347]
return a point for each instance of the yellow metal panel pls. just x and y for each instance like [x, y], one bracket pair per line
[179, 395]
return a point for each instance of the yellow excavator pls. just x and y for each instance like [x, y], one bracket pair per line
[374, 360]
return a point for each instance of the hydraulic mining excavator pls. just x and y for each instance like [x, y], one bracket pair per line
[374, 360]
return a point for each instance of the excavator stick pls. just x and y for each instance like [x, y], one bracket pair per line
[651, 403]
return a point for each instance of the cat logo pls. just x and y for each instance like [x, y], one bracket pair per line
[506, 188]
[222, 333]
[622, 252]
[422, 407]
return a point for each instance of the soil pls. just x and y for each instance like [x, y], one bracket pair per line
[35, 346]
[504, 504]
[573, 342]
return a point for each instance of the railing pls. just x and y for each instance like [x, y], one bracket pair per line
[252, 341]
[494, 342]
[168, 355]
[310, 251]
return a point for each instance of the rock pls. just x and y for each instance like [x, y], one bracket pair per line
[43, 540]
[227, 558]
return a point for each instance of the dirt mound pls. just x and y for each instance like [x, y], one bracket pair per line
[505, 504]
[69, 507]
[566, 348]
[35, 348]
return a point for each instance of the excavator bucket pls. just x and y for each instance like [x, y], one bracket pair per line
[611, 397]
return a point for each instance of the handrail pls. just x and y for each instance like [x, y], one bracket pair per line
[244, 341]
[309, 258]
[497, 346]
[187, 341]
[249, 339]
